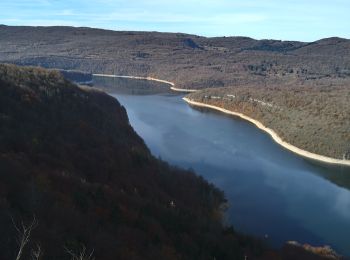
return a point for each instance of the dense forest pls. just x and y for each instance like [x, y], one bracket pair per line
[76, 182]
[79, 77]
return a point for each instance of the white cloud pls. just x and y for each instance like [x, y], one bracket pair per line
[66, 12]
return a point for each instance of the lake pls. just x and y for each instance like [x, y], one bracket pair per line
[272, 193]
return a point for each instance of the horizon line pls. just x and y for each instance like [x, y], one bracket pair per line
[169, 32]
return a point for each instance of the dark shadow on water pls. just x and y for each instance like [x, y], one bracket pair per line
[131, 86]
[337, 174]
[271, 191]
[272, 226]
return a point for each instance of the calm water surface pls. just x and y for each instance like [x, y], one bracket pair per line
[272, 193]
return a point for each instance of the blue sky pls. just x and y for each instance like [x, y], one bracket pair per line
[304, 20]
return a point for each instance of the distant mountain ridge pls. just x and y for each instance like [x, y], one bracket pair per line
[190, 61]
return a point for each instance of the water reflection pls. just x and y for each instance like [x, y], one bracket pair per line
[340, 175]
[130, 87]
[270, 190]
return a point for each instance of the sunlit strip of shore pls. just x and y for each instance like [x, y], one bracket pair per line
[274, 135]
[172, 84]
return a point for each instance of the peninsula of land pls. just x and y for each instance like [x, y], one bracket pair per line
[290, 124]
[273, 134]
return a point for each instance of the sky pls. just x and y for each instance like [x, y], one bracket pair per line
[302, 20]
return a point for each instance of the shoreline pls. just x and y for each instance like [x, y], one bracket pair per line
[274, 135]
[172, 84]
[258, 124]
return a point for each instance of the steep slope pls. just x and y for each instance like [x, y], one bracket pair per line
[69, 158]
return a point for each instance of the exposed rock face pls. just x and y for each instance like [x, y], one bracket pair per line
[191, 44]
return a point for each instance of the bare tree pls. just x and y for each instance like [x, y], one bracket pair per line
[23, 234]
[36, 253]
[81, 255]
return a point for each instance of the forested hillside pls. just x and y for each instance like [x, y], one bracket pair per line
[70, 160]
[316, 119]
[191, 61]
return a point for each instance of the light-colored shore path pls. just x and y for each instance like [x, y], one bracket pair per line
[172, 84]
[258, 124]
[274, 135]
